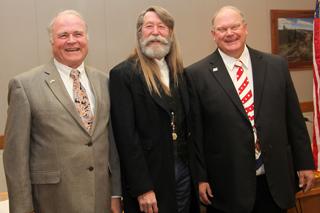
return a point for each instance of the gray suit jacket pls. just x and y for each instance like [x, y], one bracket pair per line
[52, 163]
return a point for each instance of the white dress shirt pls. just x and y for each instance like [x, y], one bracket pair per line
[246, 65]
[64, 72]
[164, 71]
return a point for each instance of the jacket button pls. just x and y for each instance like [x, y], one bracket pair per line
[89, 144]
[91, 168]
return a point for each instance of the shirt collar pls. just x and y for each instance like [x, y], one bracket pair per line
[230, 61]
[161, 62]
[66, 70]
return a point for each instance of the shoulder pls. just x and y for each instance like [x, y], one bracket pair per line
[96, 72]
[276, 65]
[31, 76]
[200, 64]
[125, 65]
[268, 57]
[93, 69]
[126, 68]
[31, 80]
[34, 72]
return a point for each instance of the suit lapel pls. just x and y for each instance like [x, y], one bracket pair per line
[220, 73]
[57, 87]
[259, 70]
[157, 99]
[161, 102]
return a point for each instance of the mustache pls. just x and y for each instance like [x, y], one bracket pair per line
[157, 38]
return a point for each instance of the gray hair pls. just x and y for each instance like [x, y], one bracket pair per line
[162, 13]
[148, 66]
[65, 12]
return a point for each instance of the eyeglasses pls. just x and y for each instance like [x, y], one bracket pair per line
[232, 28]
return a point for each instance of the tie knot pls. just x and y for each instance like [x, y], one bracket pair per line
[238, 63]
[74, 74]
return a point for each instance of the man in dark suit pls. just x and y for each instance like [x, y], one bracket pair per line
[59, 154]
[150, 112]
[251, 139]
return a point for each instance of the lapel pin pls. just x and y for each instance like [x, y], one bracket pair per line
[52, 81]
[215, 69]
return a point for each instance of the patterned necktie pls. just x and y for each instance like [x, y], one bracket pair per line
[246, 97]
[81, 100]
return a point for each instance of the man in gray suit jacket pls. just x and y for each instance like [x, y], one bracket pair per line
[55, 160]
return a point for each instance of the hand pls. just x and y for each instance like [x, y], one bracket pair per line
[148, 202]
[204, 192]
[116, 206]
[306, 179]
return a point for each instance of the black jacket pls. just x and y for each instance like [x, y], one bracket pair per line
[142, 130]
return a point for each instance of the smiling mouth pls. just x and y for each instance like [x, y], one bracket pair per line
[231, 41]
[72, 49]
[155, 42]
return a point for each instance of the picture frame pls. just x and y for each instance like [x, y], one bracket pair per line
[291, 36]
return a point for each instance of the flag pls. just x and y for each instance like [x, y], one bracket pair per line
[316, 91]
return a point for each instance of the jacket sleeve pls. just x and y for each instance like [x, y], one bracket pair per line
[197, 128]
[133, 163]
[114, 164]
[16, 152]
[296, 127]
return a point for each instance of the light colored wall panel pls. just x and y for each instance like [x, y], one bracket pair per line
[302, 81]
[18, 39]
[290, 4]
[193, 24]
[96, 18]
[120, 27]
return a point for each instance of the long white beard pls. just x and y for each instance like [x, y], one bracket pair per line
[159, 51]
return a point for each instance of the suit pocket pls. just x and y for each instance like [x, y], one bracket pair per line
[44, 177]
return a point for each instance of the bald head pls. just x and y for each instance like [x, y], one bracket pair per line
[225, 9]
[62, 14]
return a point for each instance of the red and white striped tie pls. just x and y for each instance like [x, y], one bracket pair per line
[246, 97]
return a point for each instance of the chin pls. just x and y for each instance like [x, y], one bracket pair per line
[234, 48]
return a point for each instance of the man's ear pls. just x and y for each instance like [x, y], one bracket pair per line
[213, 34]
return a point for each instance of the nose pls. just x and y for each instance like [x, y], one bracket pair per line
[155, 30]
[71, 39]
[229, 31]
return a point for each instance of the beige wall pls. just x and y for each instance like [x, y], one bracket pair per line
[24, 41]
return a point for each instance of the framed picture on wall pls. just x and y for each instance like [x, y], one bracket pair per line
[291, 36]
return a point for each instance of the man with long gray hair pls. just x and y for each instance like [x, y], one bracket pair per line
[150, 116]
